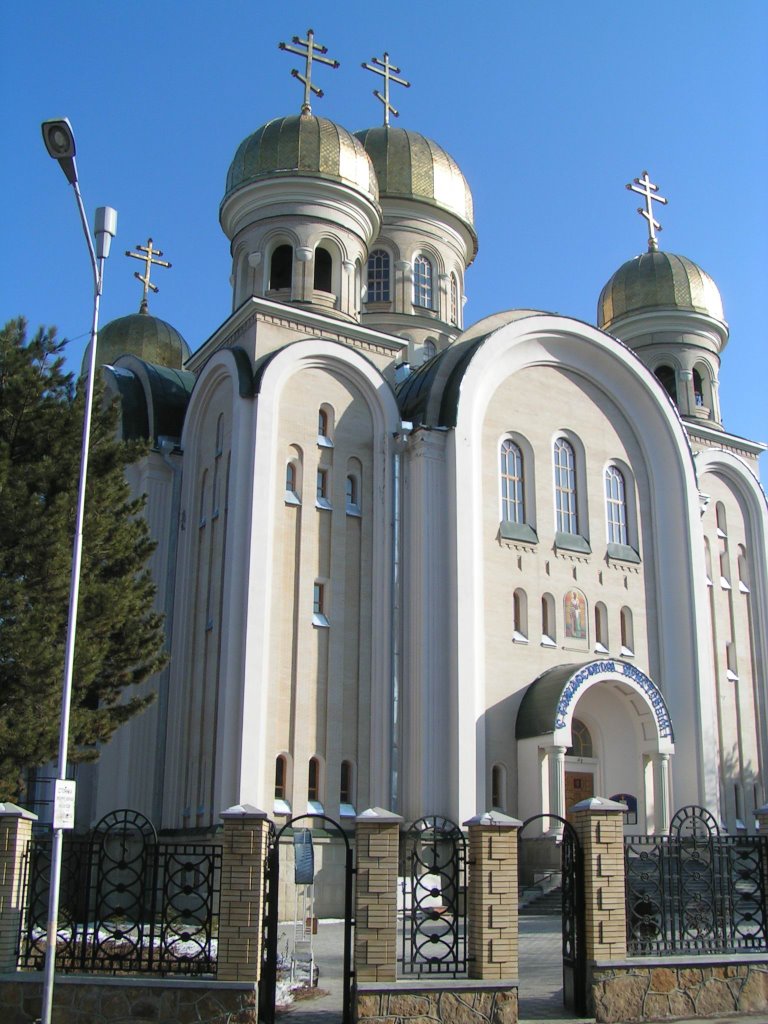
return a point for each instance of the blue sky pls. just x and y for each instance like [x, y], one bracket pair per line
[548, 107]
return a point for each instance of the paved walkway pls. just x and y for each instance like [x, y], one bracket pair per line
[540, 979]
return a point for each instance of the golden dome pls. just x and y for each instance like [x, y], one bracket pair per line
[302, 145]
[658, 280]
[410, 166]
[140, 335]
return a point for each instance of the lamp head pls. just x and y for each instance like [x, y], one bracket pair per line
[59, 140]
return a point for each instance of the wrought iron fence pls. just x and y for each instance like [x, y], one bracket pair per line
[696, 890]
[129, 904]
[433, 917]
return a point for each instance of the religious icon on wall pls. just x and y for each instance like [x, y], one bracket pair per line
[575, 615]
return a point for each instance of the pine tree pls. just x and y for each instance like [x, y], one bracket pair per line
[119, 635]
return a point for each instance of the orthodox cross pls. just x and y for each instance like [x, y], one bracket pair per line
[312, 51]
[148, 254]
[388, 77]
[645, 187]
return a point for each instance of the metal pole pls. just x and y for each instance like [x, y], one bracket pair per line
[74, 592]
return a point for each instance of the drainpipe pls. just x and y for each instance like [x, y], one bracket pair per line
[401, 443]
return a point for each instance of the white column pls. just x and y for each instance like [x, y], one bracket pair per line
[661, 787]
[557, 784]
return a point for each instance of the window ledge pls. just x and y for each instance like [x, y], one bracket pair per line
[731, 676]
[625, 652]
[324, 504]
[281, 807]
[518, 638]
[743, 587]
[572, 542]
[314, 807]
[518, 531]
[354, 510]
[323, 441]
[724, 583]
[622, 553]
[291, 498]
[347, 811]
[547, 641]
[320, 620]
[600, 648]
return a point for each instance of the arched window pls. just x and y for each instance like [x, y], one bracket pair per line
[322, 484]
[743, 569]
[281, 268]
[280, 777]
[512, 484]
[668, 380]
[454, 300]
[722, 523]
[698, 390]
[428, 349]
[627, 632]
[498, 787]
[548, 625]
[346, 795]
[581, 740]
[422, 282]
[565, 487]
[313, 780]
[615, 506]
[291, 488]
[601, 627]
[325, 426]
[378, 276]
[323, 270]
[520, 616]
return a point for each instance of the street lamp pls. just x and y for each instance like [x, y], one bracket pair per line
[60, 142]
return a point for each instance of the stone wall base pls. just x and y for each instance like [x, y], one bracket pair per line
[114, 1000]
[675, 987]
[451, 1001]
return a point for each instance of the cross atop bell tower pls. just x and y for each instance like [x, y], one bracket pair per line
[149, 255]
[645, 187]
[311, 51]
[376, 65]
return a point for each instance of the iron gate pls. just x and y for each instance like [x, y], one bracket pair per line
[128, 902]
[696, 890]
[269, 965]
[433, 916]
[573, 937]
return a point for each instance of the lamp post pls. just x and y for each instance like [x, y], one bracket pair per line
[60, 143]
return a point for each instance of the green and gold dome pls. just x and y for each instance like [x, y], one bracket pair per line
[410, 166]
[658, 281]
[143, 336]
[302, 145]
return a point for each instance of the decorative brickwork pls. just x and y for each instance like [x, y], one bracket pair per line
[678, 988]
[377, 840]
[241, 908]
[600, 827]
[15, 833]
[90, 1000]
[444, 1002]
[492, 909]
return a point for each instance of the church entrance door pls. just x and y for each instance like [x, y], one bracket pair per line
[578, 786]
[304, 876]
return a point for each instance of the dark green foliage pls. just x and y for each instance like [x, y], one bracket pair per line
[119, 637]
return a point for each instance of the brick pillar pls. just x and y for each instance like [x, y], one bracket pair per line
[241, 904]
[600, 826]
[492, 909]
[15, 833]
[377, 843]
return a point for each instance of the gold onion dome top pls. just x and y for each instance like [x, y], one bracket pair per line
[658, 280]
[143, 336]
[302, 145]
[411, 166]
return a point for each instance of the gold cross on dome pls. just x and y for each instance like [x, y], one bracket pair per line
[388, 77]
[148, 254]
[645, 187]
[311, 52]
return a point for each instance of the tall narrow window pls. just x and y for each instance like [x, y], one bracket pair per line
[428, 350]
[601, 628]
[313, 779]
[668, 380]
[512, 496]
[280, 778]
[422, 282]
[352, 495]
[345, 785]
[627, 632]
[548, 627]
[615, 506]
[290, 477]
[323, 270]
[565, 487]
[281, 268]
[497, 787]
[581, 740]
[322, 485]
[454, 300]
[378, 276]
[520, 616]
[698, 390]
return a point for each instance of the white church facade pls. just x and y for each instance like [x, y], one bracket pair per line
[432, 567]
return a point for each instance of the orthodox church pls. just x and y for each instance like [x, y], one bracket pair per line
[426, 566]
